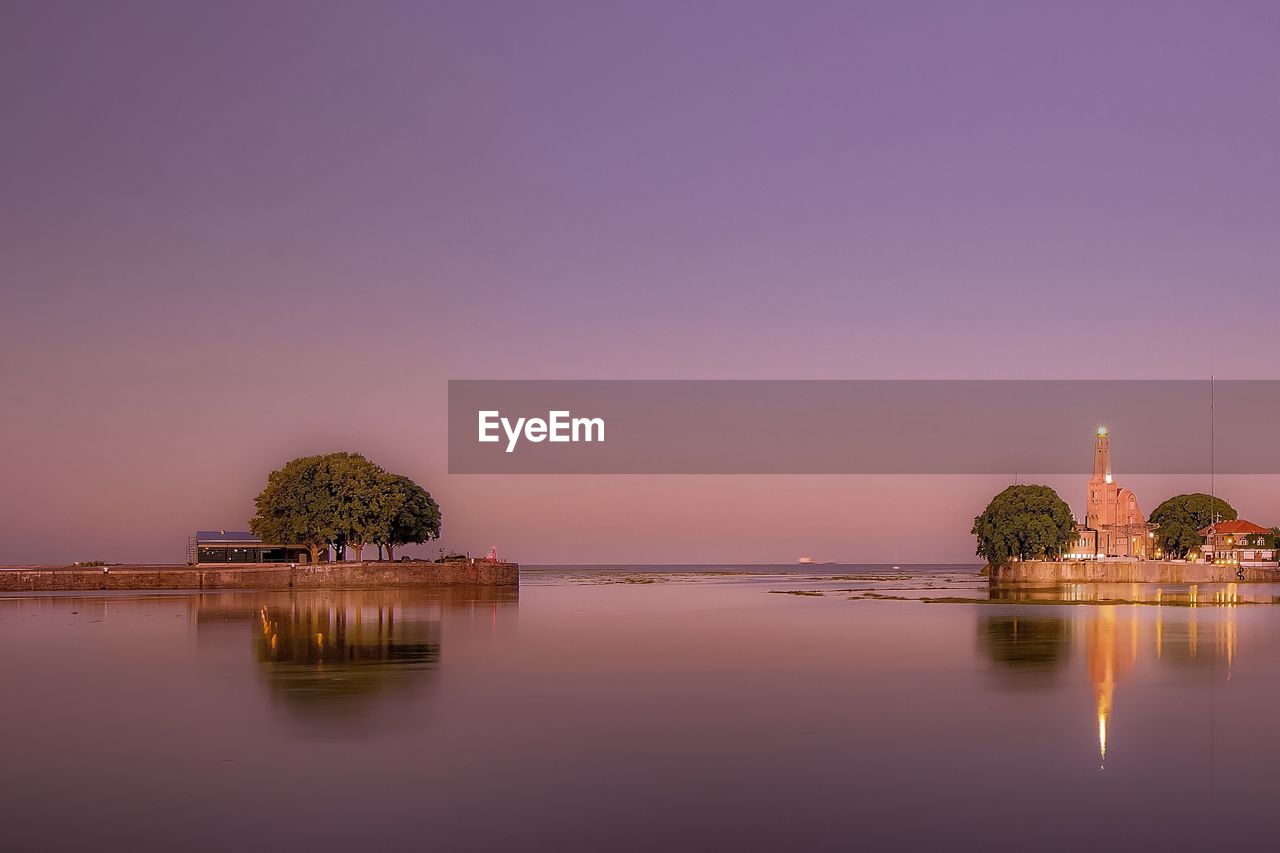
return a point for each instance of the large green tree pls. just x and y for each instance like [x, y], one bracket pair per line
[407, 515]
[357, 495]
[297, 506]
[343, 500]
[1026, 523]
[1181, 516]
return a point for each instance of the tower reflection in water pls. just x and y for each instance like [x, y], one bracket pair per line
[335, 653]
[1120, 627]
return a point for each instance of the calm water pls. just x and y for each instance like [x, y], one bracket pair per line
[822, 708]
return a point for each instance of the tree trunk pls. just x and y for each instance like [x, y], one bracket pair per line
[390, 556]
[379, 552]
[314, 550]
[359, 549]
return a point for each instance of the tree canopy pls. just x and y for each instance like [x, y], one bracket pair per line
[1025, 522]
[341, 500]
[408, 514]
[1182, 515]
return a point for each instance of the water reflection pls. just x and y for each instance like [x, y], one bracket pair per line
[1110, 652]
[1125, 628]
[741, 720]
[1185, 595]
[316, 648]
[337, 653]
[1027, 643]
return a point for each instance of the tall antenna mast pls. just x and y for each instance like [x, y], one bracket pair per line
[1213, 490]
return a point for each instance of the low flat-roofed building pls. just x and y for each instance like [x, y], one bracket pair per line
[241, 546]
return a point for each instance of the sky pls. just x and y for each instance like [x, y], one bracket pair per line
[240, 232]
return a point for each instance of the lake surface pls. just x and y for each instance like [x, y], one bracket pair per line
[821, 707]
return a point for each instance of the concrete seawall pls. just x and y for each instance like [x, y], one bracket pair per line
[1126, 571]
[258, 576]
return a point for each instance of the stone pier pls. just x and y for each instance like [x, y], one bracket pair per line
[1127, 571]
[210, 576]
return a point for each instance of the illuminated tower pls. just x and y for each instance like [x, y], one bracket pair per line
[1100, 484]
[1112, 511]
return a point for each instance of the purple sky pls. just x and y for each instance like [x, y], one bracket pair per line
[233, 233]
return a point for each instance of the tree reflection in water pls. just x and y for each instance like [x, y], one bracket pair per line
[334, 654]
[1027, 644]
[319, 646]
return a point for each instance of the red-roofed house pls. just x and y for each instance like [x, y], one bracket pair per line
[1239, 542]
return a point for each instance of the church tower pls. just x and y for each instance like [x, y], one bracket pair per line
[1100, 483]
[1102, 455]
[1112, 511]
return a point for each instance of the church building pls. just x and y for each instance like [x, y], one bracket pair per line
[1113, 524]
